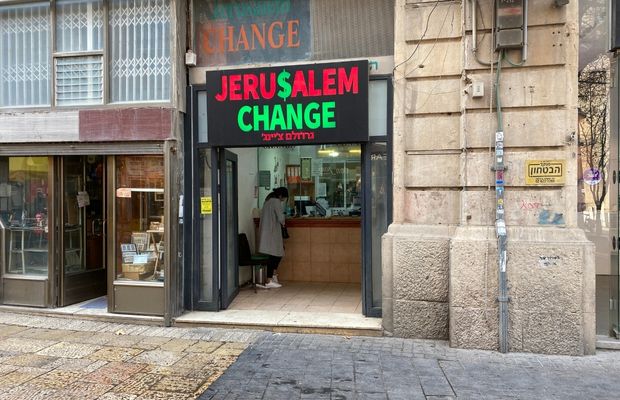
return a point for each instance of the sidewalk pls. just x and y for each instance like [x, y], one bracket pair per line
[293, 366]
[49, 357]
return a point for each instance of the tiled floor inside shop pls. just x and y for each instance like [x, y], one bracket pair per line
[302, 296]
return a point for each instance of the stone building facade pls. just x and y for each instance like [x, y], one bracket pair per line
[440, 265]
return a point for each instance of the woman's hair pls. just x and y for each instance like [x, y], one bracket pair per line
[280, 192]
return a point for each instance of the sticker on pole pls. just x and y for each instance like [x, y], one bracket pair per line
[592, 176]
[545, 172]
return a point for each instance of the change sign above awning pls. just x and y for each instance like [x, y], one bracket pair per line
[287, 105]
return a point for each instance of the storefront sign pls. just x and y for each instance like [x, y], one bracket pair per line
[232, 32]
[545, 172]
[295, 104]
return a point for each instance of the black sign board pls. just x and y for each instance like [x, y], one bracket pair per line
[288, 105]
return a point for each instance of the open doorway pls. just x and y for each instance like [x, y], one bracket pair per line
[329, 259]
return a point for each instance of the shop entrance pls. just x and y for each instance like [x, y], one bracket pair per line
[82, 272]
[337, 211]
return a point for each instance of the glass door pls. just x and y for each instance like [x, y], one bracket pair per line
[377, 217]
[82, 229]
[228, 228]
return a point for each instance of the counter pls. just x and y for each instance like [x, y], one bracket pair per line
[322, 250]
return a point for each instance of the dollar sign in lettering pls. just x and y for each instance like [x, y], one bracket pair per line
[285, 86]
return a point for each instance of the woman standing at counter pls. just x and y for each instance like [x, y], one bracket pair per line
[270, 233]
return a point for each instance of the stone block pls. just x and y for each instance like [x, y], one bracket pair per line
[436, 170]
[433, 207]
[421, 319]
[540, 12]
[547, 278]
[473, 272]
[474, 328]
[524, 87]
[430, 59]
[522, 128]
[444, 21]
[433, 96]
[553, 333]
[523, 207]
[433, 132]
[546, 45]
[422, 269]
[479, 166]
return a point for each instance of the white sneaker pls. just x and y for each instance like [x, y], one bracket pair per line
[260, 286]
[272, 285]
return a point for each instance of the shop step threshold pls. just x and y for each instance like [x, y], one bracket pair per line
[286, 321]
[607, 343]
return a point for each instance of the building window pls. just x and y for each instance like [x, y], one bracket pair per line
[24, 55]
[137, 53]
[140, 64]
[79, 52]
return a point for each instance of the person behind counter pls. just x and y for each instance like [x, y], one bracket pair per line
[270, 233]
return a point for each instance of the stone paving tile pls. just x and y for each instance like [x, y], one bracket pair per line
[155, 395]
[151, 343]
[204, 347]
[27, 392]
[23, 345]
[138, 383]
[117, 396]
[57, 379]
[31, 360]
[178, 384]
[158, 357]
[7, 330]
[177, 345]
[77, 364]
[69, 350]
[83, 390]
[99, 338]
[113, 373]
[19, 376]
[47, 334]
[115, 353]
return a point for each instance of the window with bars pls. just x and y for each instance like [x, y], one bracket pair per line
[139, 65]
[24, 55]
[79, 31]
[140, 69]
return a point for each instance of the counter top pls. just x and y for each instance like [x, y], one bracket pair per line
[299, 222]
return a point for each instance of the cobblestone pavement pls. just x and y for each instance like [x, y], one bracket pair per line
[290, 366]
[46, 357]
[65, 358]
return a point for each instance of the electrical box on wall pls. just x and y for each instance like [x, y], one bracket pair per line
[509, 23]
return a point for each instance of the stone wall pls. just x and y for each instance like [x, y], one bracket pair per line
[440, 263]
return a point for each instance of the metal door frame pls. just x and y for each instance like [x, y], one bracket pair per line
[225, 156]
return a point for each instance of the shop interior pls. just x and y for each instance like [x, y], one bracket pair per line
[322, 267]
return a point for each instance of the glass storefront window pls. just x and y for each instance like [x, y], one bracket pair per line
[140, 221]
[322, 180]
[24, 214]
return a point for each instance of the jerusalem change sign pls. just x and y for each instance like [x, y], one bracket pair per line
[292, 104]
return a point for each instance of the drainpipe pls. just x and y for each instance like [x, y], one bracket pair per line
[500, 222]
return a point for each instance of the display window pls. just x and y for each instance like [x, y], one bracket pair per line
[140, 224]
[24, 214]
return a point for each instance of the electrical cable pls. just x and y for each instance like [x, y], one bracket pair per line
[419, 40]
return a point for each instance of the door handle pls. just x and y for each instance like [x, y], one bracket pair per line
[614, 176]
[613, 243]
